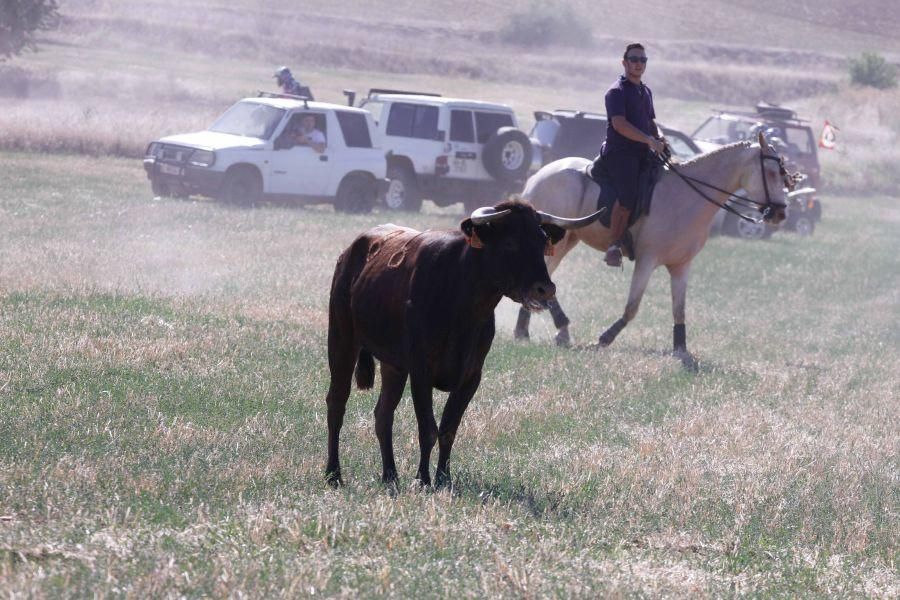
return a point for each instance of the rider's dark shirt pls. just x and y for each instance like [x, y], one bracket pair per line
[635, 103]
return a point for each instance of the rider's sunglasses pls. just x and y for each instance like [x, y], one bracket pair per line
[636, 59]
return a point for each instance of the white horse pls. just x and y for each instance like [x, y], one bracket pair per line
[676, 228]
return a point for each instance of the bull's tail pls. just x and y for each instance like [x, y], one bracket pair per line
[365, 370]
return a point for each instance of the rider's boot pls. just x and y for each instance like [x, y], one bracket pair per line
[618, 223]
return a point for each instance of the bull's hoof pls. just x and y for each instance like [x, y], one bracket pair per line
[563, 339]
[605, 340]
[442, 480]
[333, 478]
[521, 334]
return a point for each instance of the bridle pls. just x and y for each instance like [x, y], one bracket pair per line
[765, 208]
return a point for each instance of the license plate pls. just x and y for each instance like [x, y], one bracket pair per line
[169, 169]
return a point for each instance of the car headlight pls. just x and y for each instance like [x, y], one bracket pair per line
[202, 158]
[153, 149]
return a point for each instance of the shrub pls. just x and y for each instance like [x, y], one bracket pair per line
[873, 70]
[20, 19]
[542, 24]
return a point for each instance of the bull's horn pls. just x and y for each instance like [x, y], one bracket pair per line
[569, 223]
[486, 214]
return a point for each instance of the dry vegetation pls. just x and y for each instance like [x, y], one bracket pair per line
[119, 74]
[163, 363]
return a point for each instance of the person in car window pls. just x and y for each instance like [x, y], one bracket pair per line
[630, 135]
[306, 134]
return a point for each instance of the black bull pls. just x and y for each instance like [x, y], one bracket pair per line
[422, 303]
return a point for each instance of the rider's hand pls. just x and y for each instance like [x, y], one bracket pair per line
[657, 146]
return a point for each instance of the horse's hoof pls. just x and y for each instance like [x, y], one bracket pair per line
[605, 340]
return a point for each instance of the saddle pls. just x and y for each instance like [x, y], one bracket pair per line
[647, 180]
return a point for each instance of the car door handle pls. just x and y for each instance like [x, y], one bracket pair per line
[323, 157]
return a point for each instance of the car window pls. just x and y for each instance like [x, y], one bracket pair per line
[544, 131]
[249, 119]
[487, 123]
[580, 137]
[410, 120]
[355, 129]
[461, 127]
[799, 140]
[722, 130]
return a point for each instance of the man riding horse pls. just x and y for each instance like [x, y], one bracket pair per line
[630, 136]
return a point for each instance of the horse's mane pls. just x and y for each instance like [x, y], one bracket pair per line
[701, 157]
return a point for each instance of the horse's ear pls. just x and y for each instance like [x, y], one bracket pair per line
[762, 140]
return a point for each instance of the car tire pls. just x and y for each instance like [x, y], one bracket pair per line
[403, 191]
[737, 227]
[355, 195]
[241, 187]
[804, 225]
[507, 155]
[159, 189]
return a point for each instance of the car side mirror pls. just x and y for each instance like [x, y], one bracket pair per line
[283, 142]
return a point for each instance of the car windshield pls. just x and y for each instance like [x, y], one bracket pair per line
[249, 119]
[724, 130]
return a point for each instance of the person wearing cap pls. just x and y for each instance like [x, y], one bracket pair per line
[289, 85]
[631, 133]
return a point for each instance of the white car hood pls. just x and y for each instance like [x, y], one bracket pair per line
[212, 140]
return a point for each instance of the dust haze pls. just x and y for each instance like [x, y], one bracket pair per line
[118, 74]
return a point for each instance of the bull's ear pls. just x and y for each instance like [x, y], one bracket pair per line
[554, 232]
[468, 229]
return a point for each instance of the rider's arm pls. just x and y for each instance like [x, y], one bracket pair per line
[621, 124]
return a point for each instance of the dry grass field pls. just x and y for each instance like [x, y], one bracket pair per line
[163, 369]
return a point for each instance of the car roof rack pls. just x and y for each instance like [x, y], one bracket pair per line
[402, 92]
[579, 114]
[764, 110]
[305, 99]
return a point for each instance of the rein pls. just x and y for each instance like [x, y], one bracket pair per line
[744, 201]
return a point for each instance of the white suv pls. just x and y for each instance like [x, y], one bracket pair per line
[248, 154]
[448, 150]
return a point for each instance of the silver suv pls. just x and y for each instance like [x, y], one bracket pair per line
[448, 149]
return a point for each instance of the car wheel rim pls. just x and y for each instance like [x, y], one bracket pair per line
[748, 230]
[513, 155]
[803, 227]
[396, 194]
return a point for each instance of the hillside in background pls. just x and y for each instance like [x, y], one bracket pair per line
[119, 73]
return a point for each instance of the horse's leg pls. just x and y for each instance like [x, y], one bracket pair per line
[560, 320]
[643, 268]
[678, 275]
[392, 384]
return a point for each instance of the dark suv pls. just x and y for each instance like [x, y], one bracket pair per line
[792, 137]
[563, 133]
